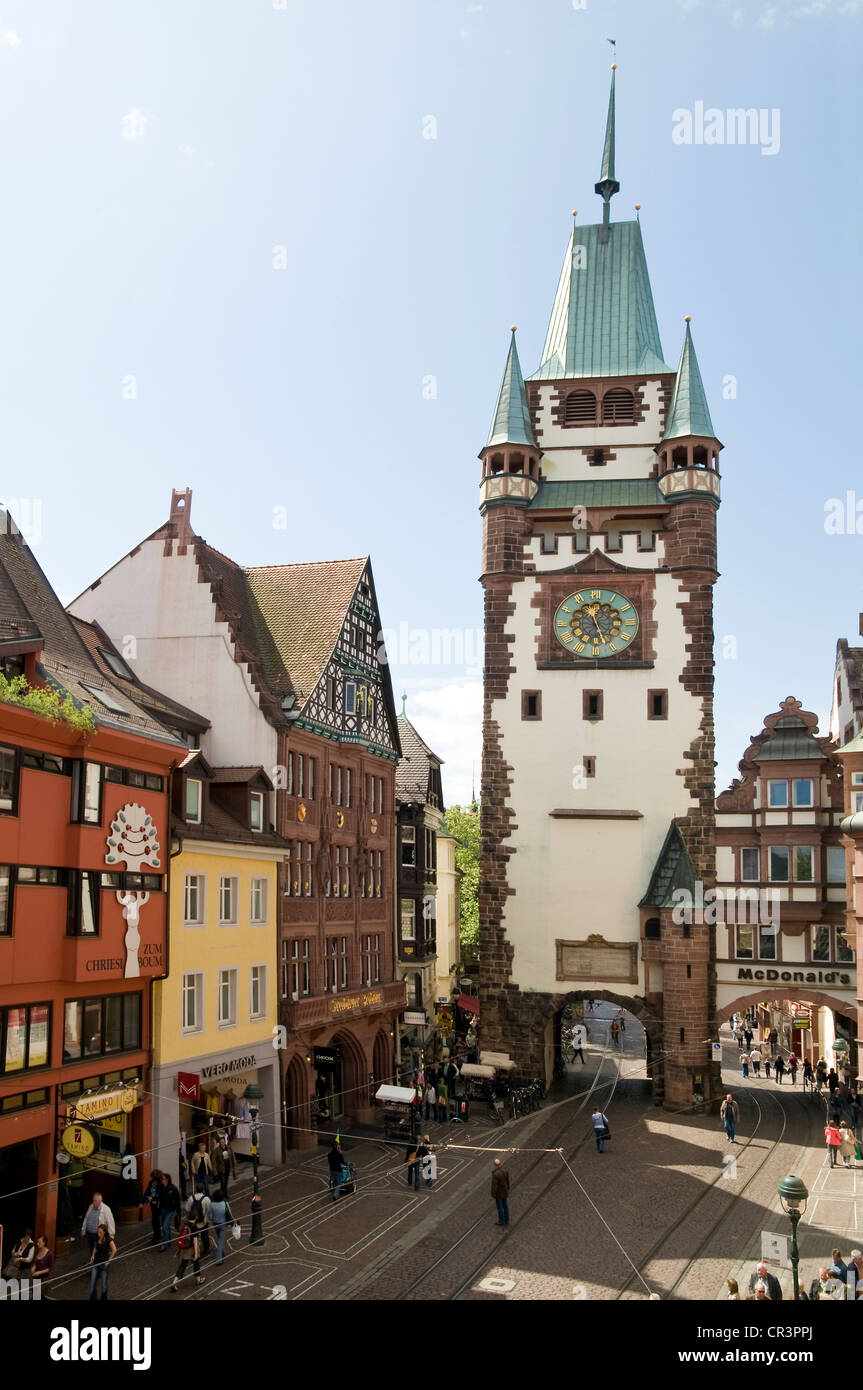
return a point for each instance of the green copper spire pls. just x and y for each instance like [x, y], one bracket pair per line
[689, 413]
[511, 423]
[608, 184]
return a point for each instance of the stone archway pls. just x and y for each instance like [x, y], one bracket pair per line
[355, 1077]
[647, 1016]
[816, 997]
[298, 1121]
[382, 1060]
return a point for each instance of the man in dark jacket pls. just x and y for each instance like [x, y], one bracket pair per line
[500, 1192]
[761, 1275]
[169, 1206]
[224, 1163]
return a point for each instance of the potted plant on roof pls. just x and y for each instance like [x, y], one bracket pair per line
[129, 1196]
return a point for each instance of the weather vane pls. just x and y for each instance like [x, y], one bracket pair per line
[613, 43]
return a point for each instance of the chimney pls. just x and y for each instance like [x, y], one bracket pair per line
[181, 527]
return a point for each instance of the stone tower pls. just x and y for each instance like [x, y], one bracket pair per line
[599, 493]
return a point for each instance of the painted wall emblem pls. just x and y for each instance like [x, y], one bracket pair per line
[133, 842]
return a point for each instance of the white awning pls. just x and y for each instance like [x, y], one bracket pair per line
[501, 1060]
[403, 1095]
[470, 1069]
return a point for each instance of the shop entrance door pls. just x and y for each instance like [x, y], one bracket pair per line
[19, 1174]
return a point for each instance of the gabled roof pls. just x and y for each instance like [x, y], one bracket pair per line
[67, 663]
[603, 322]
[689, 413]
[415, 765]
[511, 423]
[220, 825]
[240, 775]
[162, 706]
[674, 869]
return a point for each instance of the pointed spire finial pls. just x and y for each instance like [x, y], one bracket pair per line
[404, 702]
[608, 185]
[511, 423]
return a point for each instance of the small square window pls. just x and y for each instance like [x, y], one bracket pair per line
[857, 779]
[531, 704]
[777, 794]
[802, 790]
[657, 704]
[590, 766]
[591, 704]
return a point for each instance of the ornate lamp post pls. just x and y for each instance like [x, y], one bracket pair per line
[254, 1095]
[793, 1195]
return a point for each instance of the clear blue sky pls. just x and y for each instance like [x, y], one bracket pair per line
[255, 127]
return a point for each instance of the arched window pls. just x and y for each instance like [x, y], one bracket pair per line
[618, 407]
[652, 929]
[579, 408]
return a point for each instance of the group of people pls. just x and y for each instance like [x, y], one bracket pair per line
[30, 1259]
[835, 1281]
[435, 1087]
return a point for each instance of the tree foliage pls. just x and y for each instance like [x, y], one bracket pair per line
[50, 703]
[462, 822]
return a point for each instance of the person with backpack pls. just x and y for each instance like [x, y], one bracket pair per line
[169, 1208]
[202, 1201]
[220, 1216]
[189, 1250]
[600, 1128]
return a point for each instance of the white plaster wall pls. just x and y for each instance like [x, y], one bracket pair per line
[729, 818]
[724, 864]
[628, 554]
[575, 877]
[181, 649]
[794, 947]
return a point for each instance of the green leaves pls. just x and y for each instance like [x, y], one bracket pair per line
[463, 824]
[47, 702]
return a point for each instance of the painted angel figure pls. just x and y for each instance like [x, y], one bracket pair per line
[131, 904]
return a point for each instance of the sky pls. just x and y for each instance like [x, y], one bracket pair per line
[271, 251]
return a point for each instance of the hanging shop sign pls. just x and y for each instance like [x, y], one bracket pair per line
[327, 1058]
[189, 1086]
[109, 1103]
[415, 1016]
[78, 1140]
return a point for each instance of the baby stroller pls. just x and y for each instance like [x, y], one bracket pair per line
[346, 1180]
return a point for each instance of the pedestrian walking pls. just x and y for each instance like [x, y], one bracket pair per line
[202, 1201]
[223, 1163]
[22, 1257]
[854, 1107]
[151, 1196]
[336, 1164]
[621, 1021]
[429, 1162]
[779, 1069]
[415, 1159]
[500, 1192]
[838, 1268]
[748, 1036]
[808, 1077]
[442, 1102]
[101, 1254]
[97, 1214]
[431, 1102]
[820, 1074]
[220, 1216]
[169, 1209]
[836, 1107]
[733, 1290]
[755, 1059]
[762, 1275]
[615, 1032]
[832, 1080]
[826, 1286]
[730, 1115]
[847, 1144]
[792, 1069]
[833, 1139]
[767, 1065]
[601, 1128]
[744, 1064]
[43, 1260]
[189, 1250]
[202, 1169]
[738, 1034]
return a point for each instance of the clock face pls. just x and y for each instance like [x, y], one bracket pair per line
[596, 623]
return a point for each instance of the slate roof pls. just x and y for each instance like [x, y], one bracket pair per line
[599, 492]
[162, 706]
[67, 663]
[674, 869]
[792, 741]
[511, 423]
[413, 768]
[221, 825]
[603, 322]
[233, 775]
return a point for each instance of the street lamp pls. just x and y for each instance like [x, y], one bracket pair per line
[253, 1094]
[793, 1195]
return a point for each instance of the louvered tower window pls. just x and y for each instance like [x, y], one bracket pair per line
[580, 408]
[618, 407]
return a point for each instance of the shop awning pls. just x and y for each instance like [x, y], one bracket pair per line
[501, 1060]
[470, 1069]
[468, 1003]
[402, 1095]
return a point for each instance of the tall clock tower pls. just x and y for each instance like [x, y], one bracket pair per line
[599, 493]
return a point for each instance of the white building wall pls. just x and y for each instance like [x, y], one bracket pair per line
[164, 623]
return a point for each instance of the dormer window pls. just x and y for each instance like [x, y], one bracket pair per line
[256, 810]
[194, 800]
[580, 408]
[618, 407]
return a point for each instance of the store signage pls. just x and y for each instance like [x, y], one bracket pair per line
[801, 1021]
[188, 1085]
[327, 1058]
[111, 1103]
[369, 999]
[415, 1016]
[226, 1068]
[78, 1140]
[797, 977]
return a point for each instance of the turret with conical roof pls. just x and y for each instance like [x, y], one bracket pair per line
[689, 451]
[511, 456]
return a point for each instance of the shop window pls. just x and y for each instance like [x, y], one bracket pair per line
[750, 871]
[409, 846]
[9, 780]
[531, 704]
[5, 899]
[777, 794]
[804, 863]
[194, 889]
[227, 1002]
[257, 992]
[657, 704]
[835, 865]
[24, 1037]
[780, 861]
[591, 704]
[258, 901]
[24, 1102]
[256, 810]
[193, 1002]
[86, 793]
[82, 912]
[228, 900]
[802, 791]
